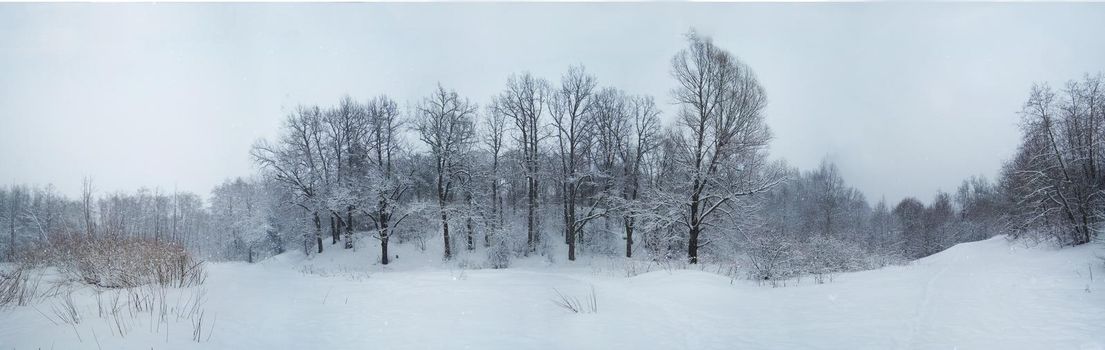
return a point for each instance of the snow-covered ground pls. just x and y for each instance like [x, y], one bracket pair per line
[984, 295]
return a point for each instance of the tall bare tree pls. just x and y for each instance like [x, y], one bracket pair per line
[345, 126]
[298, 160]
[383, 181]
[639, 136]
[446, 123]
[523, 101]
[494, 133]
[571, 108]
[721, 135]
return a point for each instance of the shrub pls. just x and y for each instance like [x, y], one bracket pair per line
[499, 255]
[877, 259]
[634, 267]
[771, 258]
[121, 262]
[825, 256]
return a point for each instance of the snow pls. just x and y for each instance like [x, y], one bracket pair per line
[992, 294]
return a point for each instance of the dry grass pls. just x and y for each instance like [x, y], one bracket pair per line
[119, 262]
[136, 282]
[18, 286]
[588, 305]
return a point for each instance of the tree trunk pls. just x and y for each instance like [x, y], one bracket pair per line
[695, 229]
[692, 246]
[495, 203]
[334, 229]
[384, 246]
[571, 227]
[445, 232]
[572, 249]
[628, 222]
[531, 215]
[349, 227]
[318, 232]
[384, 219]
[471, 231]
[306, 243]
[468, 222]
[567, 217]
[572, 231]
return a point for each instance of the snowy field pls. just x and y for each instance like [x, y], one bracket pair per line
[984, 295]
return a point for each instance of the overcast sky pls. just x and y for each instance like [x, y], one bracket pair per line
[907, 98]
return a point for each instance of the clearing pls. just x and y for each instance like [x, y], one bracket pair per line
[992, 294]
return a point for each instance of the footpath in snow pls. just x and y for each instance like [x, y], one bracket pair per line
[984, 295]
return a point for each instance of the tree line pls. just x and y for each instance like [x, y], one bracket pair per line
[590, 168]
[597, 156]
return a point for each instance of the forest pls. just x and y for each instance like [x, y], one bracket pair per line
[573, 167]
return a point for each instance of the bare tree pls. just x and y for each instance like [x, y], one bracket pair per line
[383, 181]
[523, 101]
[494, 131]
[938, 221]
[882, 231]
[446, 123]
[234, 211]
[1056, 176]
[829, 197]
[721, 132]
[639, 138]
[298, 161]
[345, 126]
[571, 108]
[910, 213]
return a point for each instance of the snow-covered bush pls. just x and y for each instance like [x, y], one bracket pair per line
[500, 253]
[123, 262]
[636, 267]
[824, 256]
[880, 258]
[770, 257]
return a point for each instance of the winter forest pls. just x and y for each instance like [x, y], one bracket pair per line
[625, 199]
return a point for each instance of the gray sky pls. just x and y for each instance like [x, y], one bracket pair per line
[907, 98]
